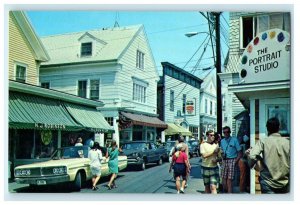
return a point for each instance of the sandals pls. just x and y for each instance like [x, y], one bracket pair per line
[109, 187]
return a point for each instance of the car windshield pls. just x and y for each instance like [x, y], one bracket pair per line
[71, 152]
[169, 145]
[134, 146]
[193, 143]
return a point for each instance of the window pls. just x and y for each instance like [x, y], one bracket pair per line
[211, 108]
[140, 59]
[82, 88]
[94, 89]
[251, 26]
[86, 49]
[171, 100]
[45, 85]
[183, 103]
[20, 73]
[110, 120]
[139, 93]
[247, 31]
[205, 106]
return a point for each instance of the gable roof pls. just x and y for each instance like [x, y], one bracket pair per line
[40, 52]
[65, 48]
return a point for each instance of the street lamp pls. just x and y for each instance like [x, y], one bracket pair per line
[217, 65]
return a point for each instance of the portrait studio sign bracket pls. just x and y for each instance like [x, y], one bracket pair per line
[266, 58]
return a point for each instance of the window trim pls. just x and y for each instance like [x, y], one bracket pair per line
[90, 90]
[25, 74]
[86, 89]
[140, 60]
[86, 55]
[242, 31]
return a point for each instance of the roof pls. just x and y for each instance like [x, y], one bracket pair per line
[40, 52]
[65, 48]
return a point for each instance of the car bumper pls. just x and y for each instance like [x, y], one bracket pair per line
[133, 161]
[43, 180]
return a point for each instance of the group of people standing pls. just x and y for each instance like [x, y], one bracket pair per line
[95, 155]
[221, 156]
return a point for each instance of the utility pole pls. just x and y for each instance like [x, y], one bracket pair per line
[218, 70]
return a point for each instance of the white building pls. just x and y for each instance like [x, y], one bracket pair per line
[258, 70]
[179, 102]
[208, 102]
[113, 65]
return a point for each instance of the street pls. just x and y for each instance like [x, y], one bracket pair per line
[154, 179]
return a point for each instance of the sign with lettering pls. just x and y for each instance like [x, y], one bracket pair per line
[266, 58]
[190, 107]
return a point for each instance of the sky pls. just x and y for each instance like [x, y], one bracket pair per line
[185, 48]
[165, 31]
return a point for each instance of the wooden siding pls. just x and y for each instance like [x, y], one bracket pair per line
[66, 80]
[21, 52]
[179, 89]
[147, 75]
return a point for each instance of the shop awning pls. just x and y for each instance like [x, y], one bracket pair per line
[34, 112]
[89, 118]
[174, 129]
[129, 119]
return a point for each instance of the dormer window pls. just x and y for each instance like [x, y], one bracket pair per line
[86, 49]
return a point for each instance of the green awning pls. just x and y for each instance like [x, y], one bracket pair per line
[174, 129]
[33, 112]
[89, 118]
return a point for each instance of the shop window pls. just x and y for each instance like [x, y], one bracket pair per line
[34, 144]
[282, 113]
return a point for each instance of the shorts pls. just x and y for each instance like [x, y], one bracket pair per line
[96, 171]
[228, 169]
[180, 170]
[210, 175]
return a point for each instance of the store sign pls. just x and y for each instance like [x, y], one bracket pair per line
[190, 107]
[49, 126]
[266, 58]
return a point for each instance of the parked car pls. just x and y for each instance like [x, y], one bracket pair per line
[194, 148]
[169, 145]
[140, 153]
[67, 164]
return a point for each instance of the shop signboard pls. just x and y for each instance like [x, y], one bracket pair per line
[266, 58]
[190, 107]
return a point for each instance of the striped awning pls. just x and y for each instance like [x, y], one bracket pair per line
[34, 112]
[89, 118]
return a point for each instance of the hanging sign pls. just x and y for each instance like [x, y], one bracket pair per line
[266, 58]
[190, 107]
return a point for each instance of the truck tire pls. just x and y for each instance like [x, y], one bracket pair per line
[77, 182]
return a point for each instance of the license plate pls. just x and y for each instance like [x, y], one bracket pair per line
[41, 182]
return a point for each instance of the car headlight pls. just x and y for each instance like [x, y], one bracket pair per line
[59, 170]
[22, 172]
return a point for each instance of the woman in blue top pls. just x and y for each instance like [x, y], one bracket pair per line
[113, 153]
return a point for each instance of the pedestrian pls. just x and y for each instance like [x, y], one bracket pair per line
[79, 142]
[274, 153]
[210, 152]
[181, 167]
[231, 154]
[113, 153]
[185, 149]
[95, 156]
[243, 163]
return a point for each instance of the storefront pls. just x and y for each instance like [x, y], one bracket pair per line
[135, 127]
[264, 84]
[175, 130]
[41, 120]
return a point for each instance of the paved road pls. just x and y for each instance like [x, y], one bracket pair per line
[155, 179]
